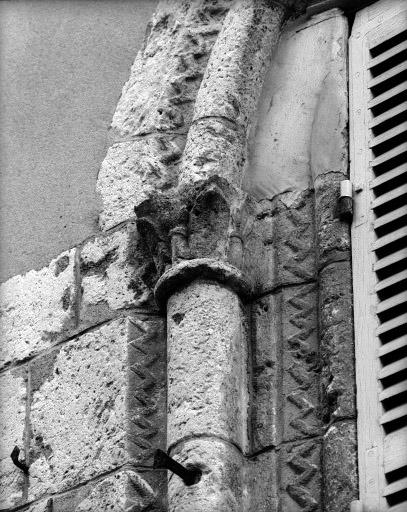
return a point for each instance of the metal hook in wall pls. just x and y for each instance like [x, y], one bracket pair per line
[164, 461]
[19, 463]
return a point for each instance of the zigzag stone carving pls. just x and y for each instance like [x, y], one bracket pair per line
[146, 400]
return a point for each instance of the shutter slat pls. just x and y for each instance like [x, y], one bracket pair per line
[389, 134]
[389, 196]
[378, 142]
[401, 507]
[396, 257]
[399, 150]
[390, 281]
[394, 390]
[388, 114]
[390, 175]
[397, 486]
[391, 93]
[393, 368]
[390, 217]
[393, 415]
[393, 345]
[392, 324]
[391, 237]
[396, 300]
[387, 75]
[387, 55]
[395, 450]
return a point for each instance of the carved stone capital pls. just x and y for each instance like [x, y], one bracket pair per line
[202, 268]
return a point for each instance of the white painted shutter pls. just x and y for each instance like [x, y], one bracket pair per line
[378, 139]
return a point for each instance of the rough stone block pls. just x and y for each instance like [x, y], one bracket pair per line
[115, 275]
[285, 403]
[340, 466]
[80, 418]
[207, 364]
[38, 309]
[279, 247]
[265, 356]
[261, 483]
[131, 171]
[333, 235]
[220, 487]
[337, 343]
[12, 433]
[300, 362]
[122, 491]
[167, 73]
[300, 477]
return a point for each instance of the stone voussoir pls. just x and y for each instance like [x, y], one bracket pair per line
[131, 171]
[38, 309]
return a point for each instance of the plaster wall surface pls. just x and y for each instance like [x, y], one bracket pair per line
[63, 66]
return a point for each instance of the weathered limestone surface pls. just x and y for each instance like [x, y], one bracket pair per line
[301, 129]
[13, 396]
[116, 274]
[132, 170]
[165, 77]
[279, 244]
[340, 466]
[285, 403]
[221, 485]
[336, 338]
[157, 103]
[261, 485]
[333, 235]
[80, 417]
[38, 309]
[207, 369]
[300, 477]
[229, 92]
[122, 491]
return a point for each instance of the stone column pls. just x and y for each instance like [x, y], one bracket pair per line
[208, 393]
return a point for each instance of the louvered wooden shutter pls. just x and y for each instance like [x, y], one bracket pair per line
[378, 142]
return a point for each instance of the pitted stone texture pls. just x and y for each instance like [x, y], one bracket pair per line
[38, 309]
[337, 344]
[131, 171]
[122, 491]
[114, 276]
[333, 235]
[340, 466]
[221, 485]
[279, 246]
[12, 426]
[285, 404]
[207, 364]
[265, 347]
[126, 491]
[79, 417]
[167, 73]
[215, 147]
[261, 488]
[235, 72]
[300, 477]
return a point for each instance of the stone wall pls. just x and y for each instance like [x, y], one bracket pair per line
[262, 398]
